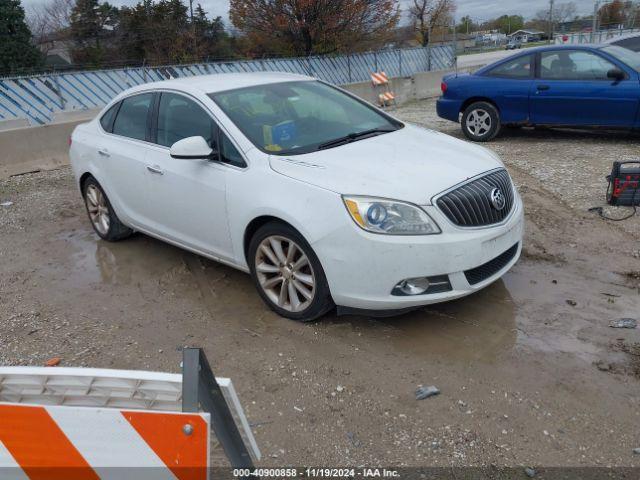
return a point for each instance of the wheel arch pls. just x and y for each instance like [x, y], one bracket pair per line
[83, 178]
[255, 224]
[472, 100]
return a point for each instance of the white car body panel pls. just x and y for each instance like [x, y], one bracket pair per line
[183, 192]
[206, 206]
[398, 165]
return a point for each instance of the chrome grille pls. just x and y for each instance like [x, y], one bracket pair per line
[470, 204]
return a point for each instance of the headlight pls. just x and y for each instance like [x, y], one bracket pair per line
[379, 215]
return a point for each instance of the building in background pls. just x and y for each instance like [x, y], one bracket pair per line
[56, 49]
[526, 36]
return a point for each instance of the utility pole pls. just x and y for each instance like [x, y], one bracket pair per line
[594, 27]
[193, 30]
[550, 21]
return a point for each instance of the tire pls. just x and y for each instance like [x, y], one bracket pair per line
[480, 122]
[282, 284]
[103, 218]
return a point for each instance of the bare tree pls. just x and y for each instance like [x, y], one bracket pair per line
[306, 27]
[564, 12]
[426, 15]
[49, 19]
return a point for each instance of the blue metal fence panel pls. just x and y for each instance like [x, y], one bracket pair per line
[38, 98]
[596, 37]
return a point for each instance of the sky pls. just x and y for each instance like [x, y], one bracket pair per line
[478, 9]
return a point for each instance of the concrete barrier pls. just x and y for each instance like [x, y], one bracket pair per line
[35, 148]
[32, 149]
[407, 89]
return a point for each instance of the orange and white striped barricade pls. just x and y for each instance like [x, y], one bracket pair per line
[82, 423]
[379, 79]
[78, 443]
[382, 88]
[386, 98]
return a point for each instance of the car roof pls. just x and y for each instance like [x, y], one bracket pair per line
[621, 37]
[546, 48]
[220, 82]
[565, 46]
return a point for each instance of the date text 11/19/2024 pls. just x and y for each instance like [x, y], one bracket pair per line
[312, 472]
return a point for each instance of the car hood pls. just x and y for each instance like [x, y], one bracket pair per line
[411, 164]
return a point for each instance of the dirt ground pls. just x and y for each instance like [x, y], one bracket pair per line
[529, 369]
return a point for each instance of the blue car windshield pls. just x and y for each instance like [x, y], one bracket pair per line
[626, 56]
[297, 117]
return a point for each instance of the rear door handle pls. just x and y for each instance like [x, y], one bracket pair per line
[104, 152]
[543, 87]
[155, 169]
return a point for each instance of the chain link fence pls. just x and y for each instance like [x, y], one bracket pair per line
[37, 98]
[595, 37]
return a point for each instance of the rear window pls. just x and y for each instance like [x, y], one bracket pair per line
[521, 67]
[632, 43]
[107, 119]
[625, 55]
[132, 117]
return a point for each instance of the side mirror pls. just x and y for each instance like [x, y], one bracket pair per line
[192, 148]
[616, 74]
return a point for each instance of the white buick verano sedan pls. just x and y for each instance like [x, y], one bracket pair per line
[324, 199]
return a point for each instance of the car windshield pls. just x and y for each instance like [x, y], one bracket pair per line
[626, 56]
[292, 118]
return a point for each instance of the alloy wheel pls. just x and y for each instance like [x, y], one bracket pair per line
[285, 273]
[478, 122]
[98, 209]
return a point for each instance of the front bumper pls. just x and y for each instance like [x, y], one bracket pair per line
[362, 268]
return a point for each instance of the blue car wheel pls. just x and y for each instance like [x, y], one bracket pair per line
[480, 122]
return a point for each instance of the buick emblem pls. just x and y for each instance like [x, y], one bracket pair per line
[497, 199]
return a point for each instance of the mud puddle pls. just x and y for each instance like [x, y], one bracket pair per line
[537, 307]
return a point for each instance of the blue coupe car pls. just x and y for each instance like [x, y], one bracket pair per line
[561, 86]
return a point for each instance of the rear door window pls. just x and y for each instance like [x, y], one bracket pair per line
[632, 43]
[519, 68]
[107, 119]
[132, 117]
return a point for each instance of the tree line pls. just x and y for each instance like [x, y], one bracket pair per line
[99, 34]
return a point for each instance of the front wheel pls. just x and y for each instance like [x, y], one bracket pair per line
[103, 218]
[480, 122]
[288, 274]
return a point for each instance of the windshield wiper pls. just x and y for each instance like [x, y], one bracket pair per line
[352, 137]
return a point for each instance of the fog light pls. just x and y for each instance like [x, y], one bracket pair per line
[422, 286]
[413, 286]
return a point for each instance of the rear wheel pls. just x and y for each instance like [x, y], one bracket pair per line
[288, 274]
[480, 122]
[104, 220]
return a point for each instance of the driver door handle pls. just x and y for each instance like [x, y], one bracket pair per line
[104, 152]
[155, 169]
